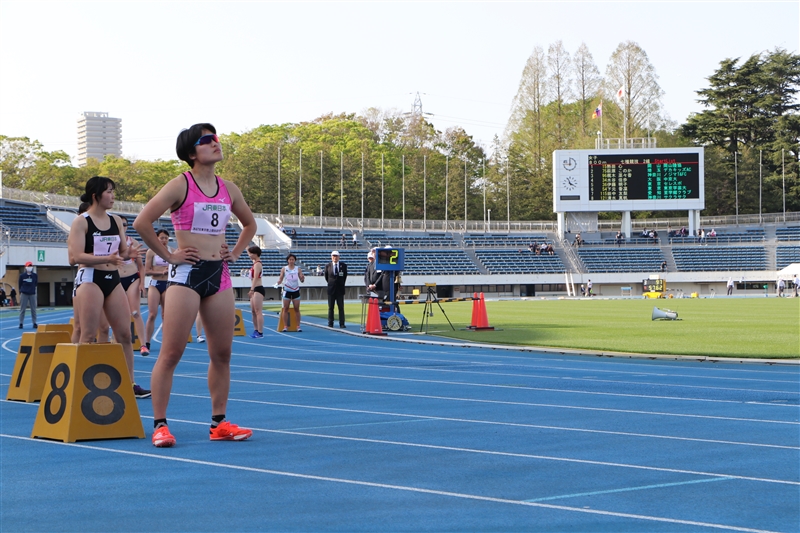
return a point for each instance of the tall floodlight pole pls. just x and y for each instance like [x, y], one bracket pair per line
[483, 179]
[362, 190]
[465, 194]
[341, 190]
[404, 192]
[300, 187]
[320, 188]
[446, 195]
[508, 199]
[382, 191]
[736, 182]
[783, 171]
[424, 193]
[279, 182]
[760, 182]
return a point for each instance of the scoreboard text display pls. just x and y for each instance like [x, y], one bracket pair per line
[628, 180]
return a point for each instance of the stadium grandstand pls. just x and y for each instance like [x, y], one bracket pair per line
[516, 259]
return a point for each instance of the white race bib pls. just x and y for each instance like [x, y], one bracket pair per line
[210, 218]
[106, 244]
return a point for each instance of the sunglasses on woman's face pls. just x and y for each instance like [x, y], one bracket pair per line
[207, 139]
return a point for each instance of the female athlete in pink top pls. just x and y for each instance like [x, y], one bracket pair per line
[201, 204]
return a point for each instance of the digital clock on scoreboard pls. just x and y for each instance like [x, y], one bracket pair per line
[389, 258]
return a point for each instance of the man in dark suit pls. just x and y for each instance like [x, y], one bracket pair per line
[373, 278]
[336, 276]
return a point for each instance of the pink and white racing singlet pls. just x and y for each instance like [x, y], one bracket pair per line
[205, 215]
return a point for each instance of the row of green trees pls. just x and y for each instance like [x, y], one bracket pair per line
[394, 165]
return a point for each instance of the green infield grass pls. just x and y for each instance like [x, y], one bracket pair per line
[714, 327]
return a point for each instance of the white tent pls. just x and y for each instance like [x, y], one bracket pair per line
[269, 237]
[790, 271]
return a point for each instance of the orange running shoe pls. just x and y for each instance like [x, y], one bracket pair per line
[228, 431]
[162, 438]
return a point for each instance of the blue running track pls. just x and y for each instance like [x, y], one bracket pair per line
[355, 433]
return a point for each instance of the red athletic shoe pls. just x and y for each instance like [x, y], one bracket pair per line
[162, 438]
[228, 431]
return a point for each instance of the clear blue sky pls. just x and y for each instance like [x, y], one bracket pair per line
[161, 66]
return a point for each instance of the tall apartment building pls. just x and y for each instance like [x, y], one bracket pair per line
[98, 136]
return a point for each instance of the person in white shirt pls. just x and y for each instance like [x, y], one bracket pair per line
[291, 277]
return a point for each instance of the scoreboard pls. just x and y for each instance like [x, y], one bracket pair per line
[628, 180]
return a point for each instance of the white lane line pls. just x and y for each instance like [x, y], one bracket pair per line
[495, 363]
[627, 489]
[549, 356]
[525, 404]
[403, 488]
[504, 424]
[514, 375]
[495, 385]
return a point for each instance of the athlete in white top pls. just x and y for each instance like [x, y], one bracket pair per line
[291, 277]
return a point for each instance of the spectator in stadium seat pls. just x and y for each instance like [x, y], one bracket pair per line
[663, 266]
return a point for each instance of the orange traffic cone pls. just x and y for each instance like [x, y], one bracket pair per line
[374, 318]
[480, 322]
[475, 311]
[368, 326]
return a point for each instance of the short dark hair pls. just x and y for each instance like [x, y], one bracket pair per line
[162, 230]
[95, 188]
[255, 250]
[186, 139]
[291, 255]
